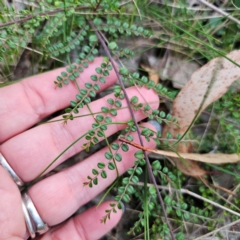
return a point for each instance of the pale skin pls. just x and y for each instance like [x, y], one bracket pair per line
[29, 150]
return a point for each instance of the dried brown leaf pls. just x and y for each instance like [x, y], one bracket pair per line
[219, 70]
[215, 158]
[212, 79]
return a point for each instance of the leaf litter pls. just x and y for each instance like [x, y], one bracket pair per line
[206, 85]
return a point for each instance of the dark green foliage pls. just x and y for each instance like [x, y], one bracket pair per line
[58, 30]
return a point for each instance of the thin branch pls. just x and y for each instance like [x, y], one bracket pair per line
[39, 14]
[135, 122]
[220, 11]
[50, 13]
[219, 229]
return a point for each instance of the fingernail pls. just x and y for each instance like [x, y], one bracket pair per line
[123, 208]
[156, 124]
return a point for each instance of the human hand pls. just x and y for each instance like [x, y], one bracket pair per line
[29, 150]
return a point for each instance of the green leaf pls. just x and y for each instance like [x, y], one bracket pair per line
[135, 75]
[113, 111]
[179, 213]
[95, 181]
[95, 172]
[108, 155]
[103, 127]
[96, 87]
[101, 165]
[92, 93]
[103, 65]
[100, 133]
[105, 109]
[125, 180]
[156, 165]
[129, 138]
[152, 190]
[73, 103]
[76, 111]
[139, 154]
[88, 85]
[83, 91]
[110, 101]
[106, 73]
[123, 71]
[151, 205]
[64, 74]
[121, 190]
[93, 38]
[125, 25]
[104, 174]
[102, 79]
[99, 118]
[94, 77]
[119, 206]
[118, 157]
[130, 189]
[99, 70]
[139, 170]
[125, 147]
[108, 120]
[169, 135]
[112, 46]
[135, 179]
[126, 198]
[167, 199]
[87, 100]
[162, 114]
[147, 107]
[115, 146]
[134, 100]
[165, 170]
[112, 205]
[130, 171]
[97, 21]
[111, 166]
[118, 103]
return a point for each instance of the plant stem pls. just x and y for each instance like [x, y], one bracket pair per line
[135, 122]
[220, 11]
[186, 191]
[65, 150]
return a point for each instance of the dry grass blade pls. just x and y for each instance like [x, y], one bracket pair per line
[215, 158]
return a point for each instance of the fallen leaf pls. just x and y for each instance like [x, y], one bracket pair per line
[219, 70]
[213, 79]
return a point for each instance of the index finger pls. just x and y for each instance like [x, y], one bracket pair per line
[27, 102]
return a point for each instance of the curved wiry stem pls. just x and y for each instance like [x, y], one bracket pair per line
[135, 122]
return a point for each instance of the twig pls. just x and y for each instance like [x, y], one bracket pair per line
[135, 122]
[217, 230]
[220, 11]
[49, 13]
[39, 14]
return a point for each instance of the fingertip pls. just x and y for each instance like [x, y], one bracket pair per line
[97, 221]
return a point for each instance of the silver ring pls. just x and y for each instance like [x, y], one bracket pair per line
[30, 226]
[7, 167]
[41, 227]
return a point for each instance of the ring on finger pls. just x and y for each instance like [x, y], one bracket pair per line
[12, 173]
[38, 224]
